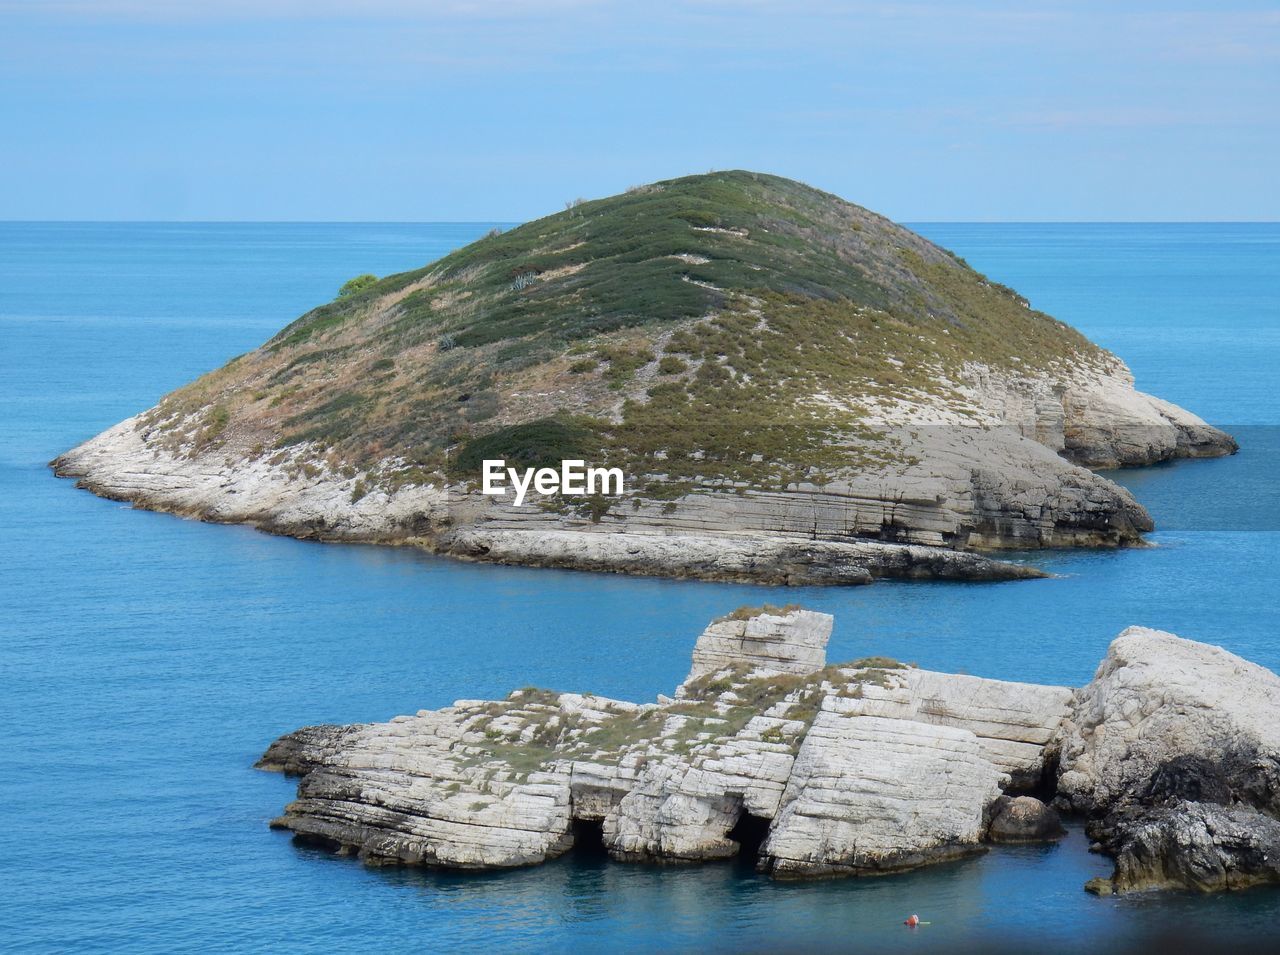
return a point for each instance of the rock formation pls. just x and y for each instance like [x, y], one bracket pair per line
[786, 640]
[864, 767]
[1024, 819]
[1173, 753]
[872, 794]
[798, 391]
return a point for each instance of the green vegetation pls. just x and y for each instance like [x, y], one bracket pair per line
[747, 414]
[538, 444]
[750, 613]
[595, 507]
[878, 663]
[215, 422]
[623, 363]
[357, 284]
[536, 731]
[721, 331]
[625, 265]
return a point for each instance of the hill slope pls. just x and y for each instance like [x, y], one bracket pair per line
[762, 359]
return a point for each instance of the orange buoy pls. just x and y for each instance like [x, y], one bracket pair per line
[913, 921]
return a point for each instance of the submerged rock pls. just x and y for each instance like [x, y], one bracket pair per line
[1024, 819]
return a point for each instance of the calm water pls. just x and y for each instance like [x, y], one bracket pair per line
[146, 661]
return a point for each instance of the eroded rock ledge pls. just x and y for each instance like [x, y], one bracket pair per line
[819, 770]
[869, 766]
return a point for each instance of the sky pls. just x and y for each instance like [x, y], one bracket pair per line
[503, 110]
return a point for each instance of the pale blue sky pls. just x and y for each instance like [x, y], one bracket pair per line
[502, 110]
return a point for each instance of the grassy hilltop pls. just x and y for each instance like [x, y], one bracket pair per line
[728, 327]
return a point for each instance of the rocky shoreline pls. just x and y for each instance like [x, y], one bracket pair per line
[1015, 481]
[760, 560]
[812, 770]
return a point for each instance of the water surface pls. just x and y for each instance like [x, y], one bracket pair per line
[146, 661]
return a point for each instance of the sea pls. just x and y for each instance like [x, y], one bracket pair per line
[146, 661]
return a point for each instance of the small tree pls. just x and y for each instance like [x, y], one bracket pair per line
[357, 284]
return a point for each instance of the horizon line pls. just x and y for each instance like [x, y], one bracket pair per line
[514, 222]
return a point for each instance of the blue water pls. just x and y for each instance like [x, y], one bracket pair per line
[146, 661]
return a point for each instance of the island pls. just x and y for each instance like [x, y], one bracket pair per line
[796, 389]
[1171, 754]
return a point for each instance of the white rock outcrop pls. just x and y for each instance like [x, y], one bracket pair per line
[722, 556]
[1014, 723]
[859, 767]
[769, 641]
[873, 794]
[997, 464]
[1173, 752]
[1158, 698]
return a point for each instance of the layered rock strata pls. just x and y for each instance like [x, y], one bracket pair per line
[786, 640]
[1011, 480]
[763, 559]
[864, 767]
[1171, 753]
[871, 794]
